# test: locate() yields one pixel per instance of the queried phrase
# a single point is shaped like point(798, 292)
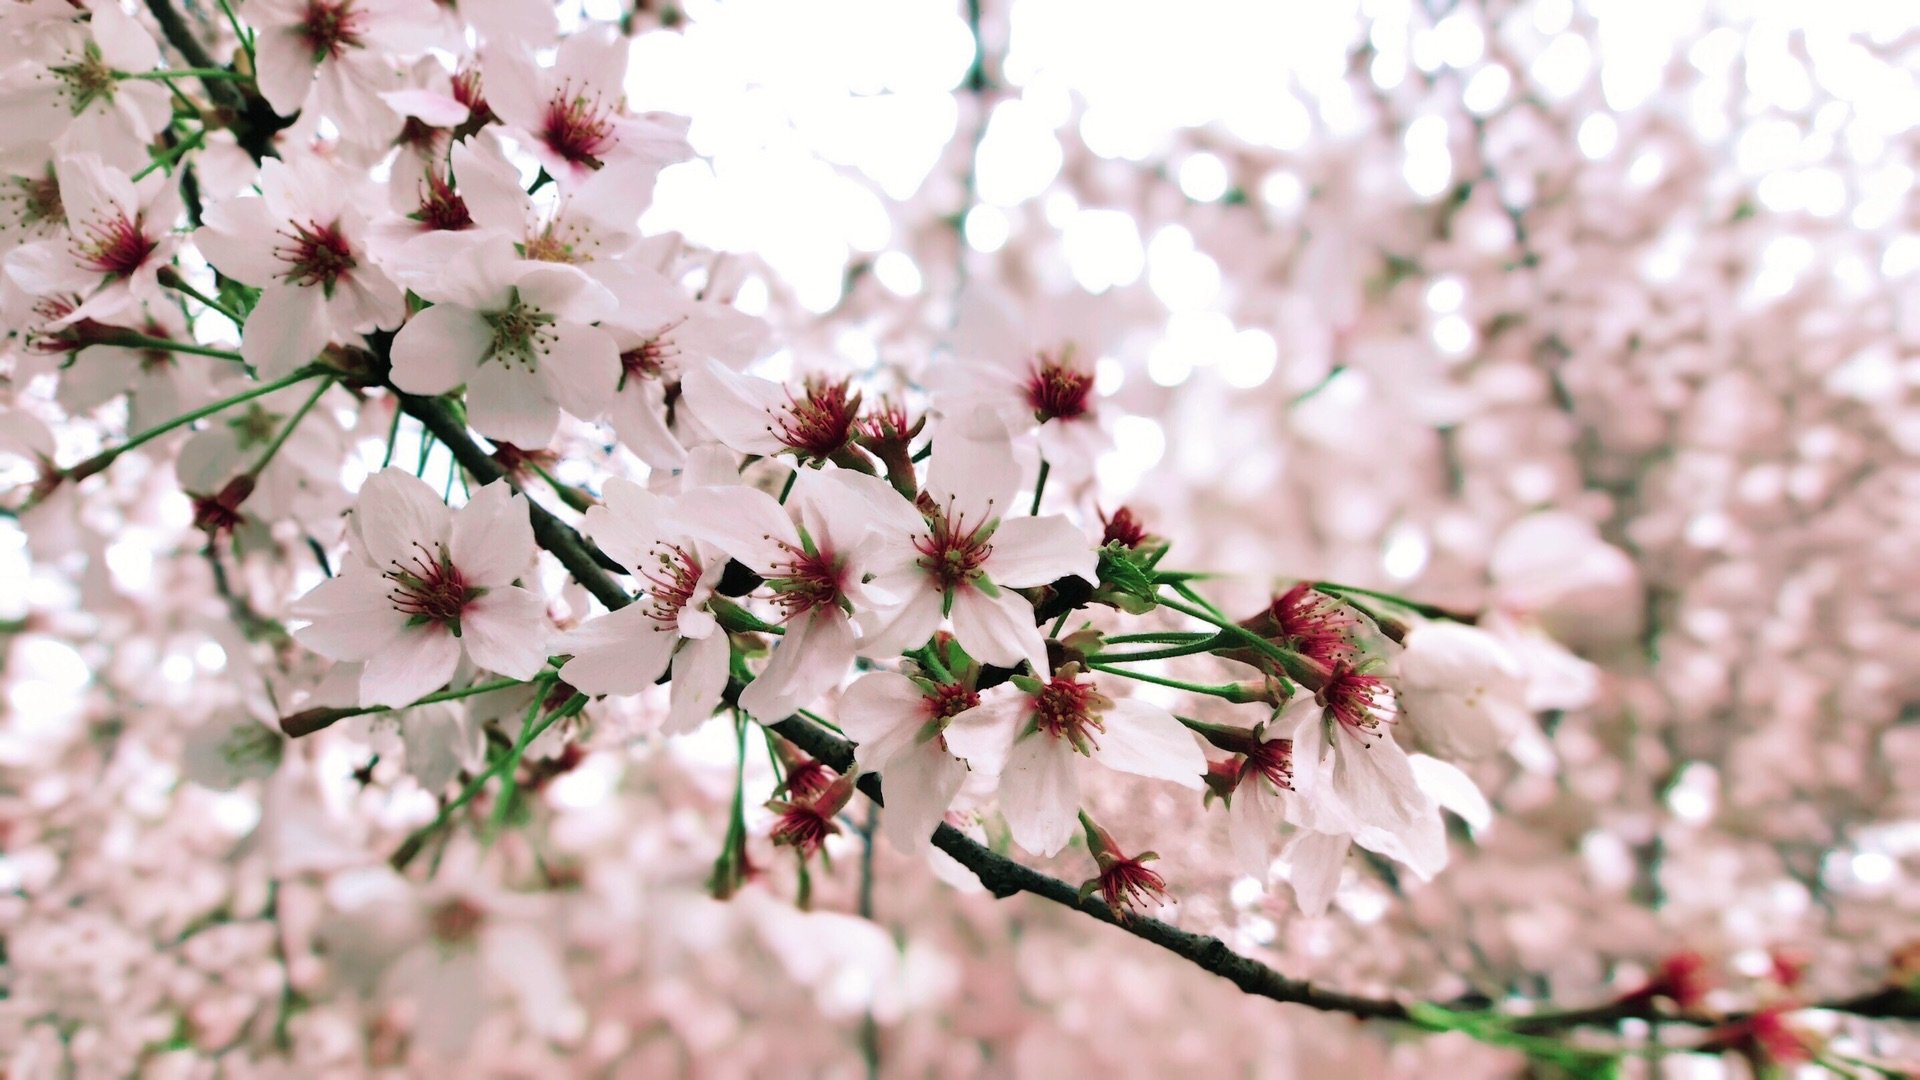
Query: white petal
point(285, 330)
point(699, 677)
point(1146, 740)
point(398, 514)
point(814, 654)
point(1374, 781)
point(492, 536)
point(998, 629)
point(746, 523)
point(890, 633)
point(353, 619)
point(973, 474)
point(414, 665)
point(1316, 860)
point(511, 404)
point(1253, 827)
point(1030, 551)
point(738, 409)
point(439, 348)
point(884, 713)
point(619, 653)
point(1452, 789)
point(984, 734)
point(505, 630)
point(920, 786)
point(582, 370)
point(1040, 793)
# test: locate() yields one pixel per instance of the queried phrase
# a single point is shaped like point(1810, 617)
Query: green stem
point(245, 36)
point(574, 499)
point(185, 73)
point(299, 415)
point(1190, 649)
point(1178, 637)
point(1296, 666)
point(172, 155)
point(1227, 692)
point(787, 488)
point(1040, 485)
point(406, 852)
point(308, 721)
point(1431, 611)
point(131, 340)
point(105, 457)
point(171, 278)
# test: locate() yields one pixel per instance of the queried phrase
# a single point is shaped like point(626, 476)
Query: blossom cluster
point(490, 474)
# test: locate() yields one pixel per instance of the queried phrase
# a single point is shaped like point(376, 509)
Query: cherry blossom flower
point(518, 335)
point(759, 416)
point(1347, 724)
point(1041, 739)
point(1035, 372)
point(302, 242)
point(965, 556)
point(67, 88)
point(427, 585)
point(662, 333)
point(626, 651)
point(897, 722)
point(813, 553)
point(159, 384)
point(1124, 883)
point(331, 57)
point(119, 235)
point(573, 114)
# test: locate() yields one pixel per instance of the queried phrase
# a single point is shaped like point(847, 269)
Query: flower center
point(441, 208)
point(253, 427)
point(670, 583)
point(33, 202)
point(519, 333)
point(949, 700)
point(315, 255)
point(1056, 389)
point(578, 127)
point(115, 247)
point(651, 358)
point(456, 922)
point(1272, 759)
point(330, 29)
point(809, 579)
point(951, 553)
point(87, 80)
point(429, 589)
point(1353, 699)
point(1122, 528)
point(819, 423)
point(1312, 624)
point(1067, 708)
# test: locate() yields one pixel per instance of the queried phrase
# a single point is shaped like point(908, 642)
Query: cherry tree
point(1393, 512)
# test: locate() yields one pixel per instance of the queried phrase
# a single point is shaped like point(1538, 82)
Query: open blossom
point(662, 333)
point(302, 242)
point(964, 556)
point(65, 87)
point(159, 384)
point(519, 336)
point(813, 553)
point(1348, 725)
point(626, 651)
point(898, 724)
point(573, 115)
point(1035, 372)
point(426, 585)
point(759, 416)
point(1041, 738)
point(333, 57)
point(119, 234)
